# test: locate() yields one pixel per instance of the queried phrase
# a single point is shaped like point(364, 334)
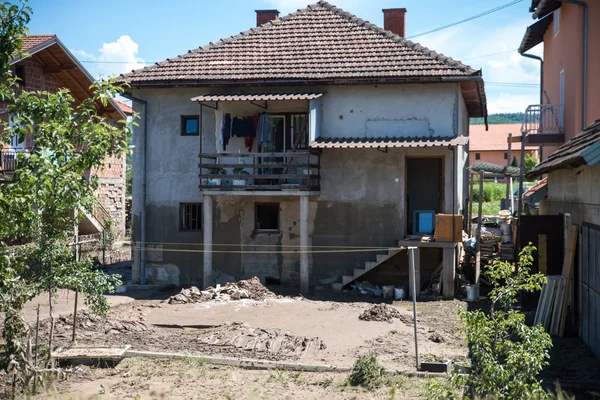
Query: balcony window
point(556, 19)
point(189, 125)
point(267, 217)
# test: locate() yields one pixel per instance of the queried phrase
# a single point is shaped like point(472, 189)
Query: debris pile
point(125, 326)
point(240, 336)
point(244, 289)
point(382, 313)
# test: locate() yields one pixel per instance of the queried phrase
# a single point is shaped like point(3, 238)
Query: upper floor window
point(506, 156)
point(478, 156)
point(556, 18)
point(20, 73)
point(190, 125)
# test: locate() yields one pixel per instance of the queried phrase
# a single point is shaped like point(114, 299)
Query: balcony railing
point(8, 161)
point(300, 171)
point(543, 119)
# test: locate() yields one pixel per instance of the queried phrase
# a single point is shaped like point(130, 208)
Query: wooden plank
point(567, 272)
point(478, 237)
point(557, 306)
point(305, 153)
point(258, 176)
point(255, 165)
point(259, 187)
point(448, 273)
point(543, 254)
point(541, 304)
point(469, 222)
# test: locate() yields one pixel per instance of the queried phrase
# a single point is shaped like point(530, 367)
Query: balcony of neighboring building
point(543, 124)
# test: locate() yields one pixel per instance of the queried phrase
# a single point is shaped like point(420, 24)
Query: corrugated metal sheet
point(537, 193)
point(257, 96)
point(591, 155)
point(349, 143)
point(534, 34)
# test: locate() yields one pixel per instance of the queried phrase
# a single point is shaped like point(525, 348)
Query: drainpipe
point(541, 60)
point(143, 216)
point(585, 57)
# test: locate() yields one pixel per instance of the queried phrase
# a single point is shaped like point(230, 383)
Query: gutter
point(541, 60)
point(143, 216)
point(585, 57)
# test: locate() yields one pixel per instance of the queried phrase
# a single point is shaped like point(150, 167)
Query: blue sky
point(116, 36)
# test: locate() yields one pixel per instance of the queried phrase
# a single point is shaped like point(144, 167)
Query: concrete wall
point(576, 192)
point(362, 190)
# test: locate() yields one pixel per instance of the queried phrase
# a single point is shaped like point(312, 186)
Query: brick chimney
point(394, 19)
point(264, 16)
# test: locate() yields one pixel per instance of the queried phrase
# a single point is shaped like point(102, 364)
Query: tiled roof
point(346, 143)
point(318, 43)
point(542, 8)
point(32, 41)
point(537, 192)
point(257, 96)
point(534, 34)
point(126, 108)
point(494, 139)
point(569, 155)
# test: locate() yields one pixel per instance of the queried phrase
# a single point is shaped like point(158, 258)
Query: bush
point(491, 192)
point(367, 373)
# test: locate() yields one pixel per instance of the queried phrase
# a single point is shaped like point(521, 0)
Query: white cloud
point(511, 102)
point(114, 58)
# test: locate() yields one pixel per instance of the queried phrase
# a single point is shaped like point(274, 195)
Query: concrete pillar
point(417, 253)
point(304, 244)
point(448, 272)
point(207, 227)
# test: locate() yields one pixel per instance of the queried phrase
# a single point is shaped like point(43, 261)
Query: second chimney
point(394, 19)
point(264, 16)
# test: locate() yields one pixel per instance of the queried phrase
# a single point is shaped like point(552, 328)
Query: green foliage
point(128, 180)
point(506, 354)
point(367, 373)
point(530, 163)
point(217, 171)
point(514, 163)
point(240, 171)
point(51, 183)
point(491, 192)
point(502, 118)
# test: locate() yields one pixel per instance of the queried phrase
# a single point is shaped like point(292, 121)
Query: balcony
point(8, 163)
point(250, 173)
point(543, 124)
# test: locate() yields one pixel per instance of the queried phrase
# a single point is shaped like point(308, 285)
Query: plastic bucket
point(399, 293)
point(471, 292)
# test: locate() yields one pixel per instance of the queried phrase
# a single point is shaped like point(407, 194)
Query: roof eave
point(534, 34)
point(545, 7)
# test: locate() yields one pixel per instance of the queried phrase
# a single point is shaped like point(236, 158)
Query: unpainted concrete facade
point(362, 196)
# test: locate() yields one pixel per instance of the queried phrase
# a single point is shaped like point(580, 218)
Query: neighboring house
point(570, 77)
point(491, 146)
point(361, 128)
point(48, 65)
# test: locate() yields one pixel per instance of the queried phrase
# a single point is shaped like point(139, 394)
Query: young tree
point(41, 204)
point(530, 163)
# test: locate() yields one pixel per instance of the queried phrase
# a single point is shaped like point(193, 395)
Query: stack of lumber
point(550, 307)
point(554, 299)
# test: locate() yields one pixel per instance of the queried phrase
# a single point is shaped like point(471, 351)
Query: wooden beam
point(470, 221)
point(545, 138)
point(478, 233)
point(514, 139)
point(55, 69)
point(508, 176)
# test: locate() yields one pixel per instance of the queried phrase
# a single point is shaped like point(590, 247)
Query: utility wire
point(487, 55)
point(493, 10)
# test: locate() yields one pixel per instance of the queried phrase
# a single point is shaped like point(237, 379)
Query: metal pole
point(508, 176)
point(103, 247)
point(76, 248)
point(411, 258)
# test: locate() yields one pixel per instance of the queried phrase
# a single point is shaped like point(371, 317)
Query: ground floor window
point(266, 217)
point(190, 216)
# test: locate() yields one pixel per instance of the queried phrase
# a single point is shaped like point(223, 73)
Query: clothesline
point(246, 127)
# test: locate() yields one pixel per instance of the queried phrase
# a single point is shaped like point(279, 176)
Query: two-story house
point(47, 65)
point(570, 118)
point(295, 148)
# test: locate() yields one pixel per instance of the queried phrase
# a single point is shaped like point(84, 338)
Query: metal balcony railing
point(8, 161)
point(299, 170)
point(543, 119)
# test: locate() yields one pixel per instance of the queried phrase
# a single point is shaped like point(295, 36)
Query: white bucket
point(399, 294)
point(471, 292)
point(388, 291)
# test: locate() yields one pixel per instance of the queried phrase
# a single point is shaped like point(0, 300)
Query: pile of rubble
point(274, 341)
point(383, 313)
point(244, 289)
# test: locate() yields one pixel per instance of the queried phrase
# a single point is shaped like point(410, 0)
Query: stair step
point(337, 286)
point(359, 271)
point(393, 252)
point(346, 279)
point(370, 265)
point(381, 258)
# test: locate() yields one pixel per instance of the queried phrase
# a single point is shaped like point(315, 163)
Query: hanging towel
point(264, 129)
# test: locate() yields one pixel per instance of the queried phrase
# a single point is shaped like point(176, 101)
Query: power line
point(493, 10)
point(488, 55)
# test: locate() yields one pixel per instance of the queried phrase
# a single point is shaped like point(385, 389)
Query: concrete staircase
point(369, 265)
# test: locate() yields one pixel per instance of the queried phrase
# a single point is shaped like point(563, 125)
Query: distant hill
point(504, 118)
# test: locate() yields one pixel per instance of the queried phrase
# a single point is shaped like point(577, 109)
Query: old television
point(423, 222)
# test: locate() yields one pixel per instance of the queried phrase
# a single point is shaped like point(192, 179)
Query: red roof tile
point(495, 138)
point(374, 142)
point(126, 108)
point(320, 42)
point(32, 41)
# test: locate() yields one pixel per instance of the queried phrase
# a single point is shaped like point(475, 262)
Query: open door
point(424, 187)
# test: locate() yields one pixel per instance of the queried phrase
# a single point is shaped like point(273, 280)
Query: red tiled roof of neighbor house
point(319, 42)
point(375, 142)
point(569, 155)
point(126, 108)
point(495, 138)
point(32, 41)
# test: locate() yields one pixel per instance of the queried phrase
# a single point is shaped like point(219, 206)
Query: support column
point(304, 244)
point(207, 227)
point(448, 272)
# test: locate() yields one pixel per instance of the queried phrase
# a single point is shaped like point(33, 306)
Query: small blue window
point(189, 125)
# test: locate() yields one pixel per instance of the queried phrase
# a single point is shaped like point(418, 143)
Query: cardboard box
point(443, 227)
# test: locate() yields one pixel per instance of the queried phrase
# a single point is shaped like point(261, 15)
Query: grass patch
point(487, 208)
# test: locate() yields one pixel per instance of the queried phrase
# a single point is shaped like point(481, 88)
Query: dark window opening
point(190, 125)
point(20, 73)
point(267, 217)
point(190, 216)
point(506, 156)
point(478, 156)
